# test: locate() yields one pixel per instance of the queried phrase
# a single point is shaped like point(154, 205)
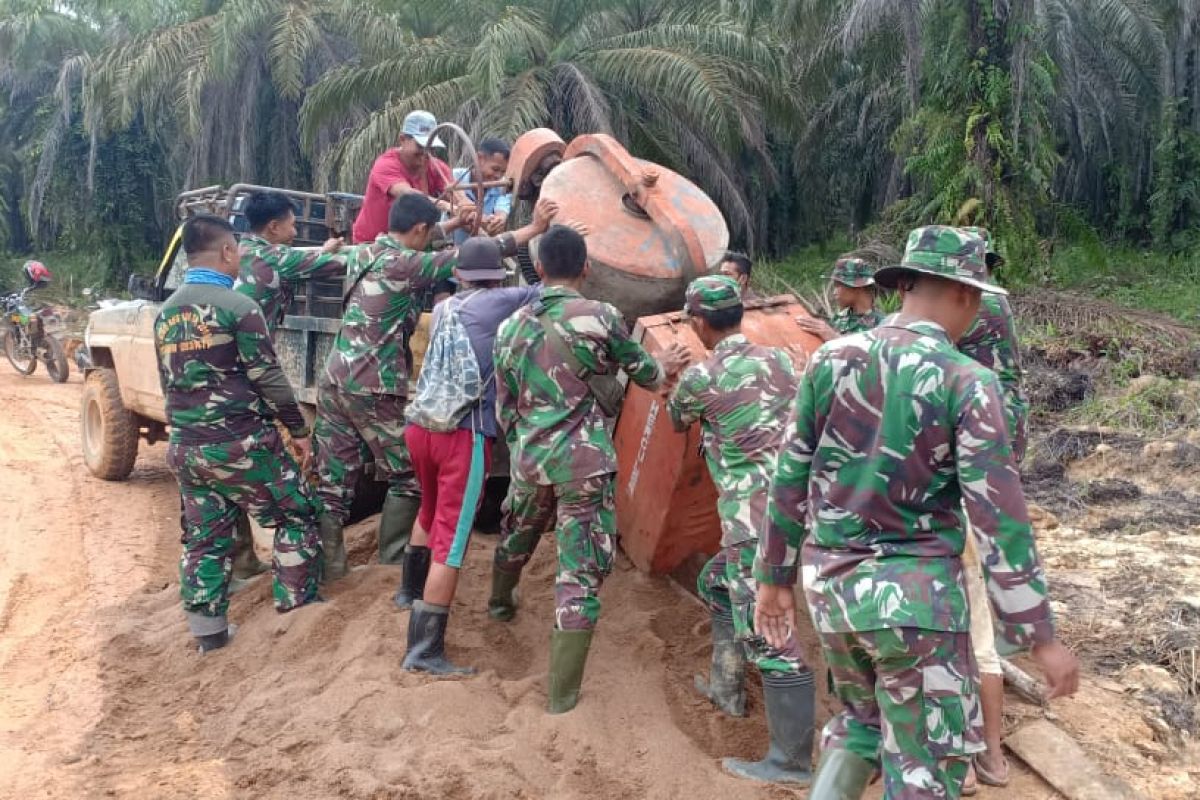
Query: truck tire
point(110, 431)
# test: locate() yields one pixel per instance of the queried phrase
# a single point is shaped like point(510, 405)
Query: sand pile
point(314, 703)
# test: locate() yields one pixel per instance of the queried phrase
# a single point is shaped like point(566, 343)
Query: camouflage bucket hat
point(712, 293)
point(853, 272)
point(944, 252)
point(994, 259)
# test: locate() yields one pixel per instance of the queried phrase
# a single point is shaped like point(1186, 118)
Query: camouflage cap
point(994, 259)
point(712, 293)
point(853, 272)
point(944, 252)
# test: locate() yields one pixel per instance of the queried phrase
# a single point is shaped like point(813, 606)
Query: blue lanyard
point(208, 276)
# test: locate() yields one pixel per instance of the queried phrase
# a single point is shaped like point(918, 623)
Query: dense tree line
point(802, 118)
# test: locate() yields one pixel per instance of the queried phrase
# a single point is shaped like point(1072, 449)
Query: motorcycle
point(26, 341)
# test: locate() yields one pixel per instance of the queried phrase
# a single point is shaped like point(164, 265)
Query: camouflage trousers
point(727, 586)
point(586, 526)
point(349, 428)
point(911, 699)
point(220, 481)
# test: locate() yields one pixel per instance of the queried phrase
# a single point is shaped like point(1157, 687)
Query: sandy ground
point(102, 695)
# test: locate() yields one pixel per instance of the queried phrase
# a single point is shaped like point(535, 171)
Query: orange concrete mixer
point(650, 232)
point(650, 229)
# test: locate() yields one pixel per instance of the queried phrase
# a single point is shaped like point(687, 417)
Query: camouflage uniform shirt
point(218, 369)
point(555, 431)
point(894, 432)
point(992, 341)
point(847, 320)
point(268, 270)
point(369, 354)
point(741, 396)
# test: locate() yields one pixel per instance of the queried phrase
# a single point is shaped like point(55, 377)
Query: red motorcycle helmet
point(37, 273)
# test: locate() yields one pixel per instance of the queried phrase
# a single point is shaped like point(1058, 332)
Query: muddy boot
point(245, 561)
point(841, 775)
point(210, 633)
point(427, 641)
point(503, 603)
point(789, 700)
point(396, 525)
point(333, 549)
point(568, 655)
point(412, 580)
point(727, 673)
point(215, 641)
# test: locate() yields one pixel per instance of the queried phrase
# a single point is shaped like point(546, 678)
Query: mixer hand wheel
point(477, 185)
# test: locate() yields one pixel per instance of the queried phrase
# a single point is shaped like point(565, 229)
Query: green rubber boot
point(333, 547)
point(725, 685)
point(568, 655)
point(396, 526)
point(503, 603)
point(841, 775)
point(789, 699)
point(245, 561)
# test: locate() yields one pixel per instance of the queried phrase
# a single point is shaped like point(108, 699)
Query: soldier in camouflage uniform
point(269, 266)
point(893, 434)
point(563, 461)
point(853, 283)
point(740, 396)
point(992, 341)
point(361, 396)
point(224, 390)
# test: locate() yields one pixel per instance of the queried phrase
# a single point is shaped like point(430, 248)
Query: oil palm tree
point(686, 87)
point(224, 84)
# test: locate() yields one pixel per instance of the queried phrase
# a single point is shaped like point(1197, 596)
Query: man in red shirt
point(404, 169)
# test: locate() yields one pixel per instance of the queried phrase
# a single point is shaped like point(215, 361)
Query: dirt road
point(102, 695)
point(72, 552)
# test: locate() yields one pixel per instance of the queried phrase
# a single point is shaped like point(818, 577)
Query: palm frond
point(348, 162)
point(582, 104)
point(515, 41)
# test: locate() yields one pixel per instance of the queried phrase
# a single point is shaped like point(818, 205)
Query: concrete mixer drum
point(650, 229)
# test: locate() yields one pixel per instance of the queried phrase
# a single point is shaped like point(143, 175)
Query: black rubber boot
point(333, 548)
point(841, 775)
point(427, 641)
point(568, 656)
point(727, 673)
point(245, 561)
point(210, 632)
point(396, 526)
point(503, 603)
point(412, 579)
point(789, 700)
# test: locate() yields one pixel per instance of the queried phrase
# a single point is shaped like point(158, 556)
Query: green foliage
point(1150, 405)
point(1175, 202)
point(1168, 283)
point(73, 272)
point(805, 270)
point(805, 121)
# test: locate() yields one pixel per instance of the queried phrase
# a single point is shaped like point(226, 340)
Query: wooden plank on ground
point(1054, 755)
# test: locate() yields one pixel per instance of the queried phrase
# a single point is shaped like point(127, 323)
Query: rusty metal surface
point(650, 229)
point(533, 155)
point(666, 501)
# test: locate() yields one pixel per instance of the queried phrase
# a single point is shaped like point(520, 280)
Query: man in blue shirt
point(491, 162)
